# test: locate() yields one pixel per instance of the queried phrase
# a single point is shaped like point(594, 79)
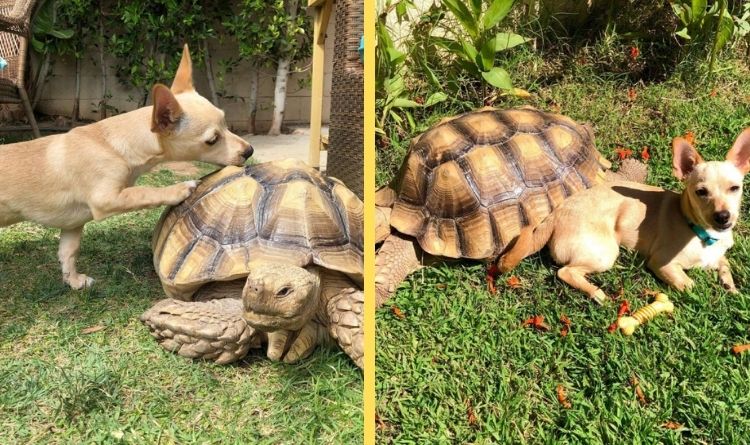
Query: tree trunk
point(210, 74)
point(279, 96)
point(40, 80)
point(252, 100)
point(76, 115)
point(282, 77)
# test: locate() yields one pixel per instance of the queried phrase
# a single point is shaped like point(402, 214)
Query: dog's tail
point(529, 241)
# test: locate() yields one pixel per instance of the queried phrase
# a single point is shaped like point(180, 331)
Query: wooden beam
point(325, 15)
point(320, 23)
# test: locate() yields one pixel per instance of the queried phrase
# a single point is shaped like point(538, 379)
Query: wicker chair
point(15, 18)
point(346, 133)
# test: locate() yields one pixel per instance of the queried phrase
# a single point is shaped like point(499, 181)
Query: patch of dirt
point(179, 168)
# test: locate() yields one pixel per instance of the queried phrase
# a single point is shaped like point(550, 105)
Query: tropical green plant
point(711, 27)
point(147, 35)
point(477, 40)
point(394, 103)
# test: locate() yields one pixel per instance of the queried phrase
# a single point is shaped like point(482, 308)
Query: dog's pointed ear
point(684, 158)
point(183, 79)
point(167, 110)
point(739, 154)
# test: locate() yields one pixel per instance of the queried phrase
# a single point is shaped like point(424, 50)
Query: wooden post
point(320, 24)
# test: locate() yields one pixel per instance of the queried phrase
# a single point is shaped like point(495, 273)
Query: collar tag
point(703, 234)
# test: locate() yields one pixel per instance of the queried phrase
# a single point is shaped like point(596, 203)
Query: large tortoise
point(272, 252)
point(469, 184)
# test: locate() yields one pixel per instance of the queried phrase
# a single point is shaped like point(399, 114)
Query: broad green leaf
point(395, 56)
point(682, 13)
point(454, 48)
point(394, 86)
point(498, 78)
point(37, 45)
point(497, 11)
point(396, 118)
point(410, 119)
point(435, 98)
point(724, 32)
point(470, 51)
point(476, 7)
point(401, 9)
point(401, 102)
point(505, 40)
point(487, 56)
point(683, 33)
point(698, 9)
point(61, 33)
point(459, 10)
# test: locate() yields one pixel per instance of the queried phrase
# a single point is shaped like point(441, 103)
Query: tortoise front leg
point(302, 346)
point(346, 315)
point(396, 259)
point(210, 330)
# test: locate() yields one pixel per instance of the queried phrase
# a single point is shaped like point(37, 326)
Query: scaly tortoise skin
point(469, 184)
point(244, 234)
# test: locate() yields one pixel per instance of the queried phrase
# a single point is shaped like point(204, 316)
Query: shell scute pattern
point(470, 183)
point(276, 211)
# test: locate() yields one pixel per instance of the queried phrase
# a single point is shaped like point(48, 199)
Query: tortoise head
point(280, 296)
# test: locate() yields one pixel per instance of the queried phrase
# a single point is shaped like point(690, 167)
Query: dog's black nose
point(721, 217)
point(248, 152)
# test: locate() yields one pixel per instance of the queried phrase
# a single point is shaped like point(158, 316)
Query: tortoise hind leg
point(396, 259)
point(211, 330)
point(346, 312)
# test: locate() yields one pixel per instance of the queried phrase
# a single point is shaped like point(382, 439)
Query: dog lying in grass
point(88, 173)
point(672, 231)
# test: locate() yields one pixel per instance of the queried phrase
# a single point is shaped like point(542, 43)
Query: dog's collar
point(703, 234)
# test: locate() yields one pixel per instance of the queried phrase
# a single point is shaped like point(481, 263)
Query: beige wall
point(59, 90)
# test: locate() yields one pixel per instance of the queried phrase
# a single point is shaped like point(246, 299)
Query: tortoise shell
point(279, 211)
point(468, 185)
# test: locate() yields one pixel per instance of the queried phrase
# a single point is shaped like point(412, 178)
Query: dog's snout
point(248, 152)
point(721, 217)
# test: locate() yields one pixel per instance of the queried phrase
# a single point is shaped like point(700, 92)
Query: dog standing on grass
point(672, 231)
point(88, 173)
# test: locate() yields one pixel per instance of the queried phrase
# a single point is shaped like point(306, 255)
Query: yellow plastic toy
point(660, 304)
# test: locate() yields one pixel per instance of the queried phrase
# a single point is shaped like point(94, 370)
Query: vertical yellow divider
point(369, 169)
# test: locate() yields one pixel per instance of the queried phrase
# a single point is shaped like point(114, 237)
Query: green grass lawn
point(460, 368)
point(61, 385)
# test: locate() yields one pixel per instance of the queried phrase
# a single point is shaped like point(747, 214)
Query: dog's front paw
point(688, 284)
point(184, 189)
point(731, 288)
point(79, 281)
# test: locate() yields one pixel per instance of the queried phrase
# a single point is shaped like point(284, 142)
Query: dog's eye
point(734, 188)
point(213, 140)
point(701, 192)
point(284, 291)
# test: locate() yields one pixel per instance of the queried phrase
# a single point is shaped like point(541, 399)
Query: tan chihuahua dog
point(88, 173)
point(672, 231)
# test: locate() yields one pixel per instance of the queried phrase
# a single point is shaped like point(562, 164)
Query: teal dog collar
point(703, 234)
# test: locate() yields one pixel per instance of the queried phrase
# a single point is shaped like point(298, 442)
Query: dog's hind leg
point(70, 245)
point(576, 277)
